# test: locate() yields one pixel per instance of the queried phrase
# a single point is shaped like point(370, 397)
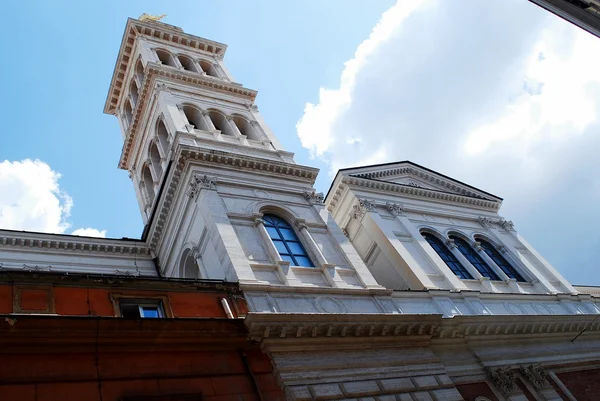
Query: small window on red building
point(132, 309)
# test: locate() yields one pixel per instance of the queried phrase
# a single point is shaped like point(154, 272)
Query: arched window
point(133, 89)
point(189, 267)
point(219, 121)
point(148, 184)
point(194, 117)
point(166, 58)
point(139, 71)
point(447, 256)
point(286, 241)
point(156, 162)
point(474, 258)
point(163, 136)
point(187, 63)
point(502, 263)
point(244, 127)
point(128, 112)
point(208, 68)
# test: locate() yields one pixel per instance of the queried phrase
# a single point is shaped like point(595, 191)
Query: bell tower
point(219, 197)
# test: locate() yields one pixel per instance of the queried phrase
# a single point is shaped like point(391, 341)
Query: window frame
point(464, 273)
point(279, 222)
point(474, 259)
point(162, 301)
point(497, 257)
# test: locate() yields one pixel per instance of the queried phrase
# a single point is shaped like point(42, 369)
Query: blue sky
point(512, 111)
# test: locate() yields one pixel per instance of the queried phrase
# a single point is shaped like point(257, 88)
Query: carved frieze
point(199, 182)
point(313, 197)
point(536, 375)
point(395, 209)
point(503, 379)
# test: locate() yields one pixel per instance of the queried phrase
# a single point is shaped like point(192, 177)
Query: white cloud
point(31, 199)
point(89, 232)
point(504, 96)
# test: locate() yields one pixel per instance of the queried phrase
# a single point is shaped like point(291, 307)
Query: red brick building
point(64, 337)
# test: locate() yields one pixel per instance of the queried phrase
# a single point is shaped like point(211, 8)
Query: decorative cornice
point(313, 197)
point(153, 71)
point(414, 191)
point(446, 183)
point(434, 327)
point(65, 243)
point(160, 32)
point(222, 159)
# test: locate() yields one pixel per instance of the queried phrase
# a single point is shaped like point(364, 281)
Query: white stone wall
point(29, 251)
point(390, 240)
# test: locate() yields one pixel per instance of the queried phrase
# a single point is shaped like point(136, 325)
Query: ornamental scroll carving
point(313, 197)
point(395, 209)
point(503, 379)
point(364, 205)
point(536, 375)
point(199, 182)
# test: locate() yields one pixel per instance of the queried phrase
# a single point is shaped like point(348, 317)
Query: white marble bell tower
point(211, 177)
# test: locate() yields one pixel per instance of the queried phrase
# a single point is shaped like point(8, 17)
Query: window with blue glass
point(286, 241)
point(447, 256)
point(132, 309)
point(502, 263)
point(474, 258)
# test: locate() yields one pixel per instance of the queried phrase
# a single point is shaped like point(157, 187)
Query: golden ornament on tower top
point(148, 17)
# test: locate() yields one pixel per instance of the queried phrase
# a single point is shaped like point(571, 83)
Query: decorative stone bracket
point(395, 209)
point(363, 206)
point(536, 375)
point(503, 379)
point(313, 197)
point(199, 182)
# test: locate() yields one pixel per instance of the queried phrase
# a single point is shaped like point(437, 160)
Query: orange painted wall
point(81, 301)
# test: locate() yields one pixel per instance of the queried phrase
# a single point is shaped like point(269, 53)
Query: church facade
point(400, 284)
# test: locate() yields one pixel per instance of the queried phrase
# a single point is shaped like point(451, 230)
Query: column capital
point(450, 244)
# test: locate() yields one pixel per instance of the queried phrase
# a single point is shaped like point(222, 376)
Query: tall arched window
point(474, 258)
point(156, 162)
point(447, 256)
point(187, 63)
point(139, 71)
point(133, 89)
point(500, 261)
point(244, 127)
point(286, 241)
point(189, 267)
point(208, 68)
point(166, 58)
point(219, 121)
point(148, 184)
point(194, 117)
point(163, 136)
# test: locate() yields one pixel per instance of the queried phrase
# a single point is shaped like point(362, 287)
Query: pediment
point(413, 175)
